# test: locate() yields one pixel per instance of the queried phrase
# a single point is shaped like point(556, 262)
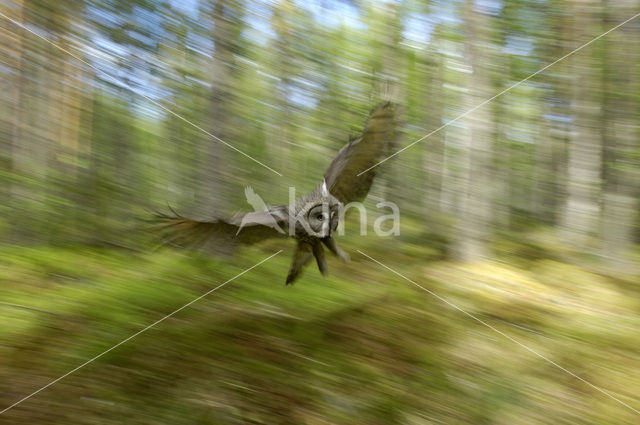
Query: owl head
point(317, 213)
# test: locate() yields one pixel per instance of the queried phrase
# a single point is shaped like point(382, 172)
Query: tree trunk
point(12, 86)
point(621, 136)
point(473, 228)
point(212, 196)
point(582, 209)
point(433, 149)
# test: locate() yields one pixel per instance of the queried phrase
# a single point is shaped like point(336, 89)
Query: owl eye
point(318, 215)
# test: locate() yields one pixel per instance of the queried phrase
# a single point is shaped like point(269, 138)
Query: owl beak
point(326, 229)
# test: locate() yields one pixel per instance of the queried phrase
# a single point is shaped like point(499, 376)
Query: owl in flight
point(311, 219)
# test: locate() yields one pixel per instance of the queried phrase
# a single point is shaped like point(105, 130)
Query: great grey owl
point(311, 220)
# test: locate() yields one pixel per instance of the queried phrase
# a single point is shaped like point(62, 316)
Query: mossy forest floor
point(362, 346)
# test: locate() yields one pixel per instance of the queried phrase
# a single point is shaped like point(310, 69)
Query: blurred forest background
point(524, 212)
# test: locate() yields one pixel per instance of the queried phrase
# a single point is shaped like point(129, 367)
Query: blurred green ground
point(360, 347)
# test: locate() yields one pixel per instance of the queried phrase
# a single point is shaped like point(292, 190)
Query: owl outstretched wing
point(222, 236)
point(360, 154)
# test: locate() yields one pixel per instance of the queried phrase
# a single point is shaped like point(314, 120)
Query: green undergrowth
point(362, 346)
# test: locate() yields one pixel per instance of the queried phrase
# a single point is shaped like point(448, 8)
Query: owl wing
point(359, 154)
point(221, 236)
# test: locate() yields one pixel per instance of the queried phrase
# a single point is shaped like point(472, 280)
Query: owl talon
point(335, 249)
point(318, 252)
